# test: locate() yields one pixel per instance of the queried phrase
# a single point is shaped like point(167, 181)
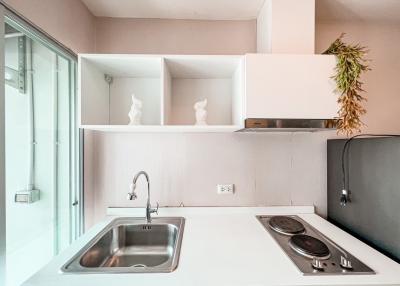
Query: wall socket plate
point(226, 189)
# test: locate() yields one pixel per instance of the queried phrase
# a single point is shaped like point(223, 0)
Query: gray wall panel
point(374, 182)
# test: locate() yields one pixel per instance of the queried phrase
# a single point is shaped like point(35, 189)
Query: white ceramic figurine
point(201, 112)
point(135, 114)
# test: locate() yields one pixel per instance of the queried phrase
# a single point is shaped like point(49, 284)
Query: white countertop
point(227, 246)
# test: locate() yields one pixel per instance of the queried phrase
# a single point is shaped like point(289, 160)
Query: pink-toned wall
point(68, 21)
point(159, 36)
point(293, 26)
point(286, 27)
point(71, 23)
point(267, 169)
point(382, 82)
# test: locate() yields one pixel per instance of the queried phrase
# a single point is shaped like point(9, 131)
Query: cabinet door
point(290, 86)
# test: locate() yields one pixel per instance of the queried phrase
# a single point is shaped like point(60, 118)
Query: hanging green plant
point(351, 64)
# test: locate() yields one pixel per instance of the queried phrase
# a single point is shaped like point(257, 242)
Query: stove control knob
point(345, 263)
point(317, 264)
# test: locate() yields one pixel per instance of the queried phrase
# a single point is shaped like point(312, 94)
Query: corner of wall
point(263, 29)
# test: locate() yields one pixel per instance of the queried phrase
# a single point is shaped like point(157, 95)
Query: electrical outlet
point(226, 189)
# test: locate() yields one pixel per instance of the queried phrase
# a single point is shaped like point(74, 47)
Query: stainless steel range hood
point(287, 125)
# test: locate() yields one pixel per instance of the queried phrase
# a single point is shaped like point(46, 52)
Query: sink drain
point(139, 265)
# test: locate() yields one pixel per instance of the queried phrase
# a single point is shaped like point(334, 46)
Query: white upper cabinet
point(167, 86)
point(236, 88)
point(279, 86)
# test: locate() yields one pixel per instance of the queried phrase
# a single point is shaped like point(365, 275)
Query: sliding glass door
point(41, 171)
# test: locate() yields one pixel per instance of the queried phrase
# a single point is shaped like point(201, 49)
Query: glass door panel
point(40, 145)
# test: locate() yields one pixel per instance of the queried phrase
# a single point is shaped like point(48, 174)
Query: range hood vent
point(287, 125)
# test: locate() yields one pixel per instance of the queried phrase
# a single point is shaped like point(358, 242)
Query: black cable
point(346, 146)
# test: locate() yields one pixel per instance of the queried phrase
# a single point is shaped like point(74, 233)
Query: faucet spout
point(132, 195)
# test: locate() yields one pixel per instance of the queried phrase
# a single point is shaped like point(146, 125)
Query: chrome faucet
point(132, 195)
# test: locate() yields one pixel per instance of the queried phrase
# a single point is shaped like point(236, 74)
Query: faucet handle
point(155, 210)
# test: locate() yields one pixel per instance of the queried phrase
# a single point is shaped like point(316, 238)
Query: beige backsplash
point(267, 169)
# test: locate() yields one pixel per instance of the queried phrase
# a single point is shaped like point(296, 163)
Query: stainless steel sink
point(131, 245)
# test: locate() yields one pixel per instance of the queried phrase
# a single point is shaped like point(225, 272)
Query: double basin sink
point(129, 245)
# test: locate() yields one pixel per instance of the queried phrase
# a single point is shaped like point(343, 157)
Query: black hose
point(346, 146)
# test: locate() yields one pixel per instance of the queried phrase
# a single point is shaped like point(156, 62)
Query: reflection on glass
point(38, 98)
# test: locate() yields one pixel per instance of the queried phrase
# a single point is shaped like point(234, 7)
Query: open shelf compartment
point(104, 103)
point(188, 79)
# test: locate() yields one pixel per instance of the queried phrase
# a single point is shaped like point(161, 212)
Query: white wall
point(267, 169)
point(382, 82)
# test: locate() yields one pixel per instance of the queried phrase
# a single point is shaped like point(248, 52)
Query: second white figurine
point(135, 113)
point(201, 112)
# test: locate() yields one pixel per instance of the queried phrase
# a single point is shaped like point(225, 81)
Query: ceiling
point(326, 10)
point(177, 9)
point(358, 10)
